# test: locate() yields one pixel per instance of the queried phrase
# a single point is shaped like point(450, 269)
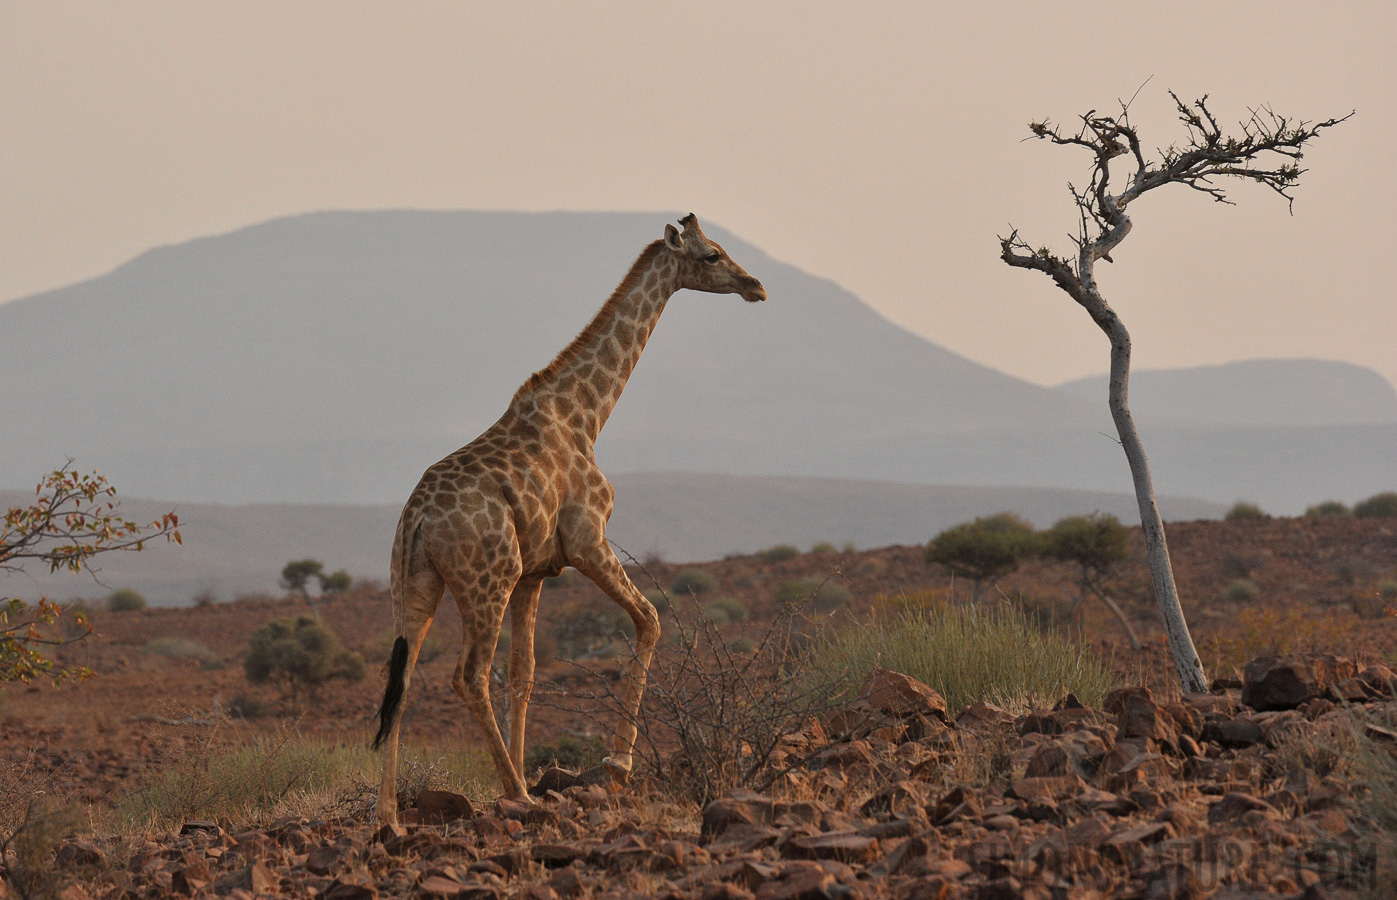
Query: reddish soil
point(1317, 581)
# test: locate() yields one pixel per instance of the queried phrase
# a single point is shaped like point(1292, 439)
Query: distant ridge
point(1294, 392)
point(683, 516)
point(330, 357)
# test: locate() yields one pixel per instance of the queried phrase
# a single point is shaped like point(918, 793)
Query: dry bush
point(713, 712)
point(26, 853)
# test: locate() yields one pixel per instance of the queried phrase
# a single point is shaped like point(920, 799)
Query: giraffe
point(525, 499)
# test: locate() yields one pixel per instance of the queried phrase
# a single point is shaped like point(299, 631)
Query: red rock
point(1234, 734)
point(566, 883)
point(901, 695)
point(1057, 787)
point(79, 853)
point(437, 886)
point(981, 716)
point(553, 778)
point(958, 803)
point(1379, 679)
point(931, 887)
point(389, 832)
point(801, 884)
point(895, 798)
point(1236, 804)
point(189, 880)
point(1175, 881)
point(849, 755)
point(738, 807)
point(1284, 682)
point(845, 846)
point(722, 890)
point(256, 878)
point(555, 856)
point(325, 859)
point(440, 807)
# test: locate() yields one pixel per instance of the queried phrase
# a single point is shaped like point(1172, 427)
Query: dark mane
point(628, 284)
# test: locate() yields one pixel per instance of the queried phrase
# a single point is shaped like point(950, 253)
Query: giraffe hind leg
point(523, 608)
point(422, 591)
point(482, 614)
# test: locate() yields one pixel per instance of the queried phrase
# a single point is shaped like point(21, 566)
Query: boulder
point(440, 807)
point(903, 696)
point(1285, 682)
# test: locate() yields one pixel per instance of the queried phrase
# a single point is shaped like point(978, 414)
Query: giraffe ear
point(673, 239)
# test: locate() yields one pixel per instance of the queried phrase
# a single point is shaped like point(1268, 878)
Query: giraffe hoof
point(619, 766)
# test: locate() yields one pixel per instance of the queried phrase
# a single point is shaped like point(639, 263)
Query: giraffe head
point(705, 266)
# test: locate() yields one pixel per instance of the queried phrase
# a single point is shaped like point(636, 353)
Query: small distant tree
point(1328, 508)
point(1266, 150)
point(1097, 544)
point(693, 581)
point(298, 573)
point(336, 582)
point(984, 550)
point(74, 517)
point(126, 600)
point(1242, 511)
point(301, 653)
point(1378, 506)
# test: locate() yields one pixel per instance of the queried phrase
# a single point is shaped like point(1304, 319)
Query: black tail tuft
point(393, 693)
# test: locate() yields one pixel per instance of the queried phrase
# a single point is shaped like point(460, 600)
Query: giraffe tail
point(398, 658)
point(393, 693)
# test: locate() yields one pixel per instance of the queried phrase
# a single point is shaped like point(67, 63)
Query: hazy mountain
point(240, 549)
point(329, 358)
point(1294, 392)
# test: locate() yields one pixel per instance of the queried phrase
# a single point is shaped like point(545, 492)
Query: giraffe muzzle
point(755, 293)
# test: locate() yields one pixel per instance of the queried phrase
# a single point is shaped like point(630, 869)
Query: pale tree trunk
point(1186, 660)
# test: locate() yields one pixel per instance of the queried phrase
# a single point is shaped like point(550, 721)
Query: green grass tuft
point(969, 653)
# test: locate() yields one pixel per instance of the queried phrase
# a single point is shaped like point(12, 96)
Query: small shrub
point(1378, 506)
point(592, 632)
point(1387, 589)
point(567, 750)
point(205, 598)
point(968, 653)
point(693, 582)
point(732, 607)
point(125, 600)
point(183, 648)
point(716, 614)
point(823, 547)
point(658, 599)
point(1242, 511)
point(246, 706)
point(1370, 606)
point(742, 646)
point(984, 550)
point(1327, 508)
point(1241, 590)
point(1240, 565)
point(822, 594)
point(302, 652)
point(779, 553)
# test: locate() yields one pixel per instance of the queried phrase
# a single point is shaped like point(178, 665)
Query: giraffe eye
point(712, 258)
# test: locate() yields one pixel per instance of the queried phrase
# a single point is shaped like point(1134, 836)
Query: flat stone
point(553, 778)
point(1234, 734)
point(801, 884)
point(440, 807)
point(847, 847)
point(1236, 804)
point(437, 886)
point(1051, 787)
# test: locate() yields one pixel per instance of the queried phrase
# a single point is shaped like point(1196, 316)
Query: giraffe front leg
point(523, 609)
point(605, 570)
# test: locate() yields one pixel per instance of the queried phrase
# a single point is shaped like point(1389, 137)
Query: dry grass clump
point(253, 783)
point(968, 653)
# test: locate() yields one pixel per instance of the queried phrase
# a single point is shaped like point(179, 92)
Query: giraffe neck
point(587, 378)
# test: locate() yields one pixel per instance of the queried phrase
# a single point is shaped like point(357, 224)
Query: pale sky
point(876, 144)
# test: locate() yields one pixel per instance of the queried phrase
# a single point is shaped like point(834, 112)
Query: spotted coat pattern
point(517, 504)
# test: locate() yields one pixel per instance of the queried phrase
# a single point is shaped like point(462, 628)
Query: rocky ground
point(1254, 790)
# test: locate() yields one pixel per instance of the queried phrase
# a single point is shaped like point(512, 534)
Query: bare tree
point(1267, 150)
